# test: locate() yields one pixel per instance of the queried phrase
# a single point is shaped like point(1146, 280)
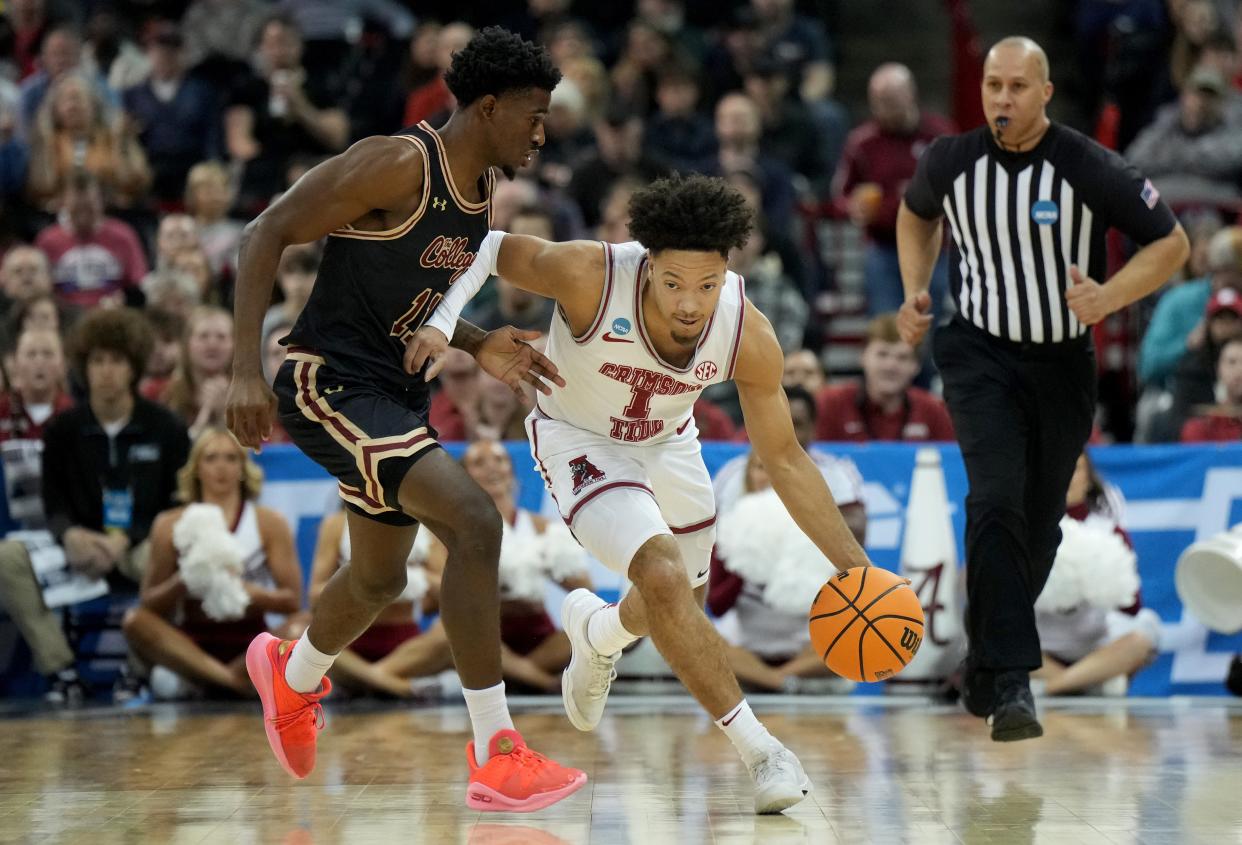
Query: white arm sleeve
point(464, 289)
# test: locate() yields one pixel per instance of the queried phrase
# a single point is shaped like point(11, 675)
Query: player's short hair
point(124, 331)
point(496, 61)
point(696, 212)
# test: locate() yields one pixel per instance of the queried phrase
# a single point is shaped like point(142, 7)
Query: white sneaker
point(780, 781)
point(585, 683)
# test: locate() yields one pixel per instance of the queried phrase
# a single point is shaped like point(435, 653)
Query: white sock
point(747, 733)
point(307, 666)
point(489, 713)
point(605, 632)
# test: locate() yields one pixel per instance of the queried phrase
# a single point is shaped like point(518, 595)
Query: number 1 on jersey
point(421, 308)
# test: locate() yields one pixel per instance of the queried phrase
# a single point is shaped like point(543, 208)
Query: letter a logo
point(585, 473)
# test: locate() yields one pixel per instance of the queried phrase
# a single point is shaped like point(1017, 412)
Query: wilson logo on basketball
point(910, 641)
point(706, 371)
point(447, 254)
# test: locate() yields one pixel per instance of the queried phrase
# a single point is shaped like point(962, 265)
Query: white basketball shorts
point(615, 497)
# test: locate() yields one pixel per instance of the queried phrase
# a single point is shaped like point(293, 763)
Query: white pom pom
point(227, 599)
point(197, 521)
point(206, 548)
point(522, 573)
point(1093, 566)
point(422, 545)
point(797, 575)
point(562, 556)
point(749, 536)
point(415, 584)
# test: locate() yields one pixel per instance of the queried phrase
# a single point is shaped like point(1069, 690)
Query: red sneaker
point(516, 779)
point(292, 719)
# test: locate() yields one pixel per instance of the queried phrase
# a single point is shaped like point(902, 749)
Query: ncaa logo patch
point(620, 326)
point(705, 371)
point(1045, 212)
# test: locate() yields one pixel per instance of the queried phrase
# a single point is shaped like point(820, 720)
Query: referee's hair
point(496, 61)
point(696, 213)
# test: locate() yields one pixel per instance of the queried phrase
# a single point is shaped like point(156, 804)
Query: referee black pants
point(1023, 413)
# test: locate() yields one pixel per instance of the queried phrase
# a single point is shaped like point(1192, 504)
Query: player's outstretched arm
point(796, 479)
point(375, 173)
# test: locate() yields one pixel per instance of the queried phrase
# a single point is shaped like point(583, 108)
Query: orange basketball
point(866, 623)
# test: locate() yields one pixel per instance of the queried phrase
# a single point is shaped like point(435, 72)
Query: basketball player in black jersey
point(404, 216)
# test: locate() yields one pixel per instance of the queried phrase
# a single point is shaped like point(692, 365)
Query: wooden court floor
point(885, 770)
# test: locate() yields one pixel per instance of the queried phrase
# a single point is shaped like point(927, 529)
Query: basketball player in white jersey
point(640, 329)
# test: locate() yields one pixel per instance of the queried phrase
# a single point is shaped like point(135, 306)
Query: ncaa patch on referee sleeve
point(1149, 194)
point(1045, 213)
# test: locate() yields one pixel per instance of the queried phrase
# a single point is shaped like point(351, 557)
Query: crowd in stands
point(138, 138)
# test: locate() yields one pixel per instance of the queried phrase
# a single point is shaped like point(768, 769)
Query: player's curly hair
point(496, 61)
point(696, 212)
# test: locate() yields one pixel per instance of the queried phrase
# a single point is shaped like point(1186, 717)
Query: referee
point(1029, 202)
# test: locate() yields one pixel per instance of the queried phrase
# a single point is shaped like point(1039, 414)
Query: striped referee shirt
point(1020, 220)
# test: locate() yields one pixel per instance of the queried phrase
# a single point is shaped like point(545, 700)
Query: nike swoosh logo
point(608, 338)
point(704, 572)
point(731, 717)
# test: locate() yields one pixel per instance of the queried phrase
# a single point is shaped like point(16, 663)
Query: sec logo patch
point(706, 371)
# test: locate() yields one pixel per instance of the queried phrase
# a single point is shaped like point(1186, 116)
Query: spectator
point(208, 198)
point(40, 312)
point(775, 241)
point(426, 94)
point(588, 74)
point(1222, 422)
point(198, 634)
point(30, 23)
point(454, 408)
point(295, 276)
point(884, 405)
point(646, 50)
point(24, 275)
point(176, 114)
point(274, 352)
point(39, 388)
point(738, 132)
point(770, 648)
point(14, 155)
point(534, 551)
point(1189, 151)
point(739, 45)
point(74, 129)
point(1194, 383)
point(713, 421)
point(109, 467)
point(1220, 53)
point(668, 17)
point(566, 136)
point(804, 369)
point(60, 53)
point(501, 413)
point(366, 665)
point(96, 260)
point(878, 162)
point(840, 473)
point(119, 61)
point(614, 222)
point(168, 329)
point(171, 291)
point(1194, 23)
point(198, 387)
point(193, 263)
point(789, 134)
point(771, 290)
point(1178, 324)
point(1084, 645)
point(514, 306)
point(677, 132)
point(279, 114)
point(799, 42)
point(176, 232)
point(619, 152)
point(222, 30)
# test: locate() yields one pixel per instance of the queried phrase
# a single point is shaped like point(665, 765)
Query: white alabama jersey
point(618, 386)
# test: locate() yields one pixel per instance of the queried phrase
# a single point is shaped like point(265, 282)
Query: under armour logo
point(439, 204)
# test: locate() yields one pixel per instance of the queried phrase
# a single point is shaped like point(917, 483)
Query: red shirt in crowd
point(85, 270)
point(1213, 428)
point(888, 160)
point(846, 414)
point(16, 422)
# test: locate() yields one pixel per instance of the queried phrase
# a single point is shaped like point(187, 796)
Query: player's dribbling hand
point(250, 410)
point(505, 354)
point(1087, 298)
point(914, 318)
point(427, 346)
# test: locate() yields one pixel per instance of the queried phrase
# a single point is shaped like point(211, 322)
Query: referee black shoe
point(1014, 715)
point(978, 690)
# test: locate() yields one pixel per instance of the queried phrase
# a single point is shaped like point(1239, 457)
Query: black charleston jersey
point(375, 289)
point(1020, 220)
